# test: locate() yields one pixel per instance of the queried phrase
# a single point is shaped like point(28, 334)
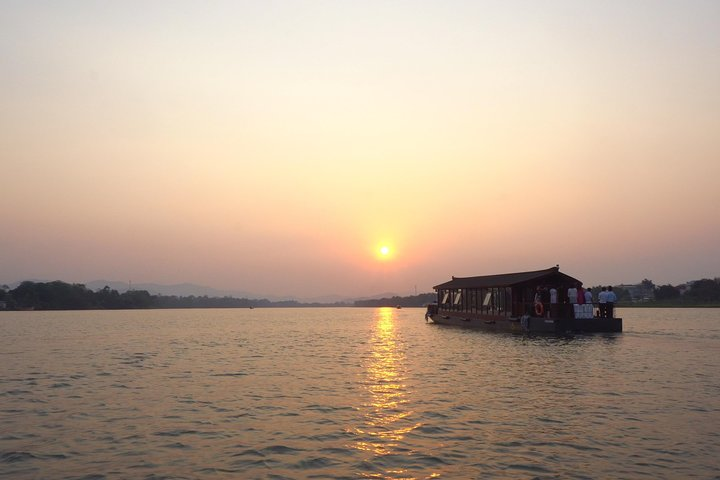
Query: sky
point(276, 146)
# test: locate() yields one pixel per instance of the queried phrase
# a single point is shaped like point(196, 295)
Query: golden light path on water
point(387, 420)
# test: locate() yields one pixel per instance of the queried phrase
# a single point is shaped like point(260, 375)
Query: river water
point(353, 393)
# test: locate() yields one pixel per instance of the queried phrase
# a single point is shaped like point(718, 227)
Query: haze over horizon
point(277, 146)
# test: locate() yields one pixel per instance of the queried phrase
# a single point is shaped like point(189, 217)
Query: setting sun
point(384, 251)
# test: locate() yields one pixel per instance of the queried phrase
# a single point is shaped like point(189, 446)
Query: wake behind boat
point(541, 301)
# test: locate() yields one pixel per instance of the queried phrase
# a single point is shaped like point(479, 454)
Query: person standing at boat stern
point(602, 303)
point(610, 304)
point(572, 295)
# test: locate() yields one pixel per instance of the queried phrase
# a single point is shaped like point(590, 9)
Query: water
point(353, 393)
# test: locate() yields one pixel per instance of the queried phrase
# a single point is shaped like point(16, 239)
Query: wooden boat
point(517, 302)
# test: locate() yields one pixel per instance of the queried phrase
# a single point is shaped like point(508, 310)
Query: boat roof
point(549, 275)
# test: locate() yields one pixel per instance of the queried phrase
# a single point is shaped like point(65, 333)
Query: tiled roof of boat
point(503, 279)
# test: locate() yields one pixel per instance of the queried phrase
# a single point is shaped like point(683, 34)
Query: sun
point(384, 252)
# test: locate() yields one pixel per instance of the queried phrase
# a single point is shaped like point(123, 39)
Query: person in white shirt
point(588, 296)
point(602, 302)
point(572, 295)
point(610, 305)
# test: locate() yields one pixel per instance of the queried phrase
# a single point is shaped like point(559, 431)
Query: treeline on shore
point(699, 293)
point(59, 295)
point(412, 301)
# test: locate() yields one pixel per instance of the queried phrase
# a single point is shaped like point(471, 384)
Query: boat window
point(458, 297)
point(488, 299)
point(445, 297)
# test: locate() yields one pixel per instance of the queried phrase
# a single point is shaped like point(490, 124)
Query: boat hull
point(527, 324)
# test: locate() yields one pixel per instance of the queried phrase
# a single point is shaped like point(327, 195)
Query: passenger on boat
point(581, 294)
point(610, 305)
point(588, 296)
point(602, 302)
point(572, 295)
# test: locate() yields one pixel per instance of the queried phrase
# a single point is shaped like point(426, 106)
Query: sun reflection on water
point(387, 419)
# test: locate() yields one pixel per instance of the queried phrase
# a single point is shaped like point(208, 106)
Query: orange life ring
point(539, 309)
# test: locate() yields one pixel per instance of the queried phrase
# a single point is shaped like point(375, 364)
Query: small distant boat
point(509, 303)
point(398, 307)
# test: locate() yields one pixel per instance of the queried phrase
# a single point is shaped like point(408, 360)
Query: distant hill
point(191, 289)
point(178, 289)
point(187, 289)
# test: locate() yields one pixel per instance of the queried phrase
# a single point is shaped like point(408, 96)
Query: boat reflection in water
point(387, 419)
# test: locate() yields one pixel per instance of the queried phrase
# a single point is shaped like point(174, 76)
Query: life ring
point(539, 309)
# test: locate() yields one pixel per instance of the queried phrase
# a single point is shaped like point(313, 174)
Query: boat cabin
point(504, 295)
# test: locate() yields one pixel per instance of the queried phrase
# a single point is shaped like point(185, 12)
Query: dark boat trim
point(528, 324)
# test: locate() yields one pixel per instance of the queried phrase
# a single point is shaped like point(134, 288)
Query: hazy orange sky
point(274, 146)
